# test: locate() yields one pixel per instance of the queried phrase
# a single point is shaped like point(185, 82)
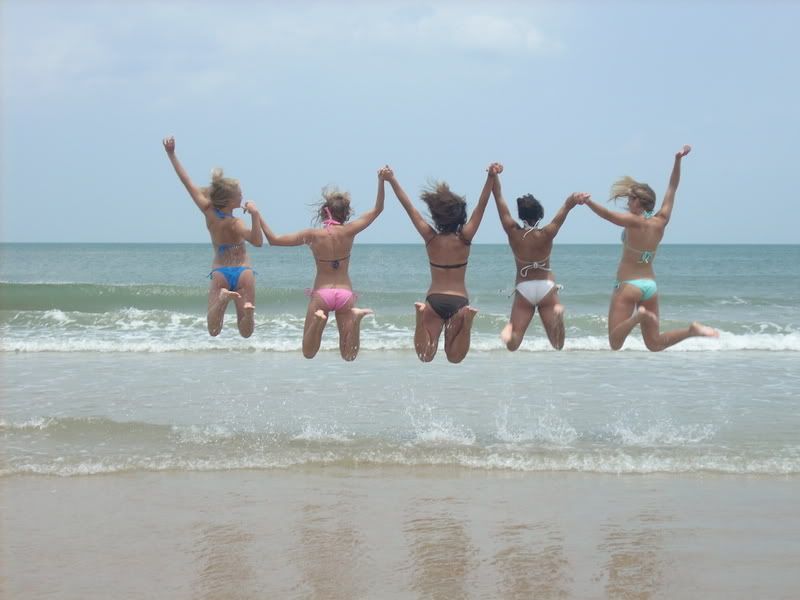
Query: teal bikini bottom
point(646, 286)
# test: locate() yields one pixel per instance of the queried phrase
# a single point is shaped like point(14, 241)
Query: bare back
point(450, 252)
point(331, 247)
point(229, 246)
point(639, 245)
point(531, 248)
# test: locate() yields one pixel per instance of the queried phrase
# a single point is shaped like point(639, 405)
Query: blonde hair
point(448, 209)
point(337, 202)
point(221, 189)
point(628, 187)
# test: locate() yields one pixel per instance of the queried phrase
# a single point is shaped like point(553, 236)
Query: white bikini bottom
point(535, 290)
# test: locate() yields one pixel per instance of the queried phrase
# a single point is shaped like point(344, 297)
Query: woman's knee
point(456, 359)
point(653, 345)
point(514, 343)
point(615, 344)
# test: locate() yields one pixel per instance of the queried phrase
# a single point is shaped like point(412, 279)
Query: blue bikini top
point(222, 248)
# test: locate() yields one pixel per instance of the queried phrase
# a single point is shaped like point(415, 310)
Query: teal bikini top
point(645, 256)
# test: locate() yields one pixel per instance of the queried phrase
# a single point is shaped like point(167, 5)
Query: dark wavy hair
point(529, 209)
point(448, 210)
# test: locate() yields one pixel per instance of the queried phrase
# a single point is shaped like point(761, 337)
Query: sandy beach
point(400, 533)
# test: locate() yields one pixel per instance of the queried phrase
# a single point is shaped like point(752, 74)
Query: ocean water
point(108, 368)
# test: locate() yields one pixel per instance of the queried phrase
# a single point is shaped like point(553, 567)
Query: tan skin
point(533, 245)
point(643, 234)
point(445, 248)
point(333, 242)
point(228, 230)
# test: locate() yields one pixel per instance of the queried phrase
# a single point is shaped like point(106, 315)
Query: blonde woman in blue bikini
point(635, 298)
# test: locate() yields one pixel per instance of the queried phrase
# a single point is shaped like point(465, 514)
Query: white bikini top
point(542, 265)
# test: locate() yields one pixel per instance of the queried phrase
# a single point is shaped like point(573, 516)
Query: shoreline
point(400, 532)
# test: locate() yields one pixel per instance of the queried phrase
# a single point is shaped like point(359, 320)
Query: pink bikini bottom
point(334, 298)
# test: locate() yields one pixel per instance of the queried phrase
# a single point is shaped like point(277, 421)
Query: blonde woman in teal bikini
point(635, 298)
point(331, 246)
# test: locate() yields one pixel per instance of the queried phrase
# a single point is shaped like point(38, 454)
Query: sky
point(289, 97)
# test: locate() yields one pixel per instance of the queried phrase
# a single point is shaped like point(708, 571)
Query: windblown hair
point(529, 209)
point(337, 202)
point(628, 187)
point(221, 189)
point(448, 210)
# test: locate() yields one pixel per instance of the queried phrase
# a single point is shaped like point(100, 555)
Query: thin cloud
point(52, 51)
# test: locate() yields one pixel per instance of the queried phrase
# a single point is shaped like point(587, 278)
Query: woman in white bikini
point(331, 246)
point(535, 284)
point(635, 298)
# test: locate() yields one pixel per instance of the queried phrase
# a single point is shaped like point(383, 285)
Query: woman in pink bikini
point(331, 246)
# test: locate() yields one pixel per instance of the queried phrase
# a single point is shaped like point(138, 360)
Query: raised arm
point(289, 239)
point(197, 195)
point(506, 220)
point(665, 211)
point(617, 218)
point(253, 233)
point(471, 227)
point(368, 217)
point(571, 202)
point(425, 230)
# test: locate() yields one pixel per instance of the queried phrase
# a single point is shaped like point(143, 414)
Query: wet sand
point(400, 533)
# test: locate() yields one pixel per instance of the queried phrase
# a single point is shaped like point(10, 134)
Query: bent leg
point(622, 316)
point(427, 332)
point(348, 320)
point(316, 319)
point(246, 304)
point(218, 297)
point(657, 341)
point(457, 334)
point(551, 312)
point(521, 314)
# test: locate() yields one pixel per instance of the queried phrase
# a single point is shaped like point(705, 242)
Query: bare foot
point(645, 315)
point(505, 335)
point(468, 314)
point(360, 313)
point(320, 314)
point(226, 294)
point(558, 312)
point(558, 322)
point(700, 330)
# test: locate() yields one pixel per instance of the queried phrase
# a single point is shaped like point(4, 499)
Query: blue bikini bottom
point(231, 275)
